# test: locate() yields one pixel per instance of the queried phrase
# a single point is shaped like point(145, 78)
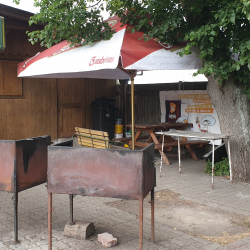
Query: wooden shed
point(34, 107)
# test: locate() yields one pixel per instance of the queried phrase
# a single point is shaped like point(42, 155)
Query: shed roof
point(17, 19)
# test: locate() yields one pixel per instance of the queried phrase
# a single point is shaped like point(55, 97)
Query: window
point(10, 84)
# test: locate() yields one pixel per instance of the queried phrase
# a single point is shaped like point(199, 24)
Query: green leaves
point(219, 29)
point(220, 168)
point(211, 39)
point(73, 20)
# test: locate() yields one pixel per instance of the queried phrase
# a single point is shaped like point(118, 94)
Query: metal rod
point(49, 221)
point(71, 209)
point(140, 224)
point(229, 159)
point(161, 153)
point(152, 216)
point(133, 109)
point(213, 167)
point(15, 201)
point(179, 154)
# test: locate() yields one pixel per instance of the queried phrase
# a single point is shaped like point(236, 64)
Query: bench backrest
point(92, 138)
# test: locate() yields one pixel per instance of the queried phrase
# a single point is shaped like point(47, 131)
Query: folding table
point(201, 135)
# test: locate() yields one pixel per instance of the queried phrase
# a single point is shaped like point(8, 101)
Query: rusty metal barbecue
point(115, 173)
point(23, 164)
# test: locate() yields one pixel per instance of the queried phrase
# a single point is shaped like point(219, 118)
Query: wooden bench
point(95, 139)
point(170, 144)
point(127, 139)
point(92, 138)
point(195, 143)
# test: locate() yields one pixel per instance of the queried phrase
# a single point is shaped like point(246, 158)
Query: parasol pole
point(132, 72)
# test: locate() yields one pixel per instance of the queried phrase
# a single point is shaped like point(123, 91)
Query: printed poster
point(190, 106)
point(173, 109)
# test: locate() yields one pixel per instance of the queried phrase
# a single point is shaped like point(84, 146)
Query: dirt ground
point(191, 218)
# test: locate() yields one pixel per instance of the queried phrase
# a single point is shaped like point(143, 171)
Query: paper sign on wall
point(190, 106)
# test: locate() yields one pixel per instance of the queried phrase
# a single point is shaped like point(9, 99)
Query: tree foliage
point(219, 29)
point(74, 20)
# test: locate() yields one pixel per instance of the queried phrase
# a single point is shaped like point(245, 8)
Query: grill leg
point(140, 224)
point(71, 206)
point(15, 200)
point(49, 221)
point(152, 216)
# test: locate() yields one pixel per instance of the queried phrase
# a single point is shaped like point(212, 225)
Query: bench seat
point(92, 138)
point(127, 139)
point(196, 143)
point(96, 139)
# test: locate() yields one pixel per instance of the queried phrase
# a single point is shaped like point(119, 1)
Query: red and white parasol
point(107, 59)
point(111, 59)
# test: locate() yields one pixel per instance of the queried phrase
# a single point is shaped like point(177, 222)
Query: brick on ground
point(107, 240)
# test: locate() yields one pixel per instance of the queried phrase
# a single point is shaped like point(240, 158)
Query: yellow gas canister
point(118, 129)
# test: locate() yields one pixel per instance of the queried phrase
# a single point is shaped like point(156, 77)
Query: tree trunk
point(233, 109)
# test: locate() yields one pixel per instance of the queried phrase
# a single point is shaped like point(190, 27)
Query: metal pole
point(15, 201)
point(133, 109)
point(213, 167)
point(179, 154)
point(71, 209)
point(152, 216)
point(140, 224)
point(161, 153)
point(49, 221)
point(229, 159)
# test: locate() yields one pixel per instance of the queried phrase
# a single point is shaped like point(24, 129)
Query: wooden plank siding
point(17, 46)
point(43, 106)
point(147, 100)
point(74, 102)
point(32, 115)
point(94, 90)
point(51, 106)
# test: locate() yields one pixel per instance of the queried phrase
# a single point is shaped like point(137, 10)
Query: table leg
point(179, 154)
point(152, 217)
point(15, 201)
point(213, 167)
point(71, 208)
point(140, 224)
point(190, 150)
point(149, 140)
point(49, 221)
point(161, 154)
point(165, 158)
point(229, 159)
point(138, 133)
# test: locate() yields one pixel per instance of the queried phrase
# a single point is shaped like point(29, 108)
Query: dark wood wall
point(147, 100)
point(34, 107)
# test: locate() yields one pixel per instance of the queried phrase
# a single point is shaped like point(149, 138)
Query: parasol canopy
point(107, 59)
point(118, 58)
